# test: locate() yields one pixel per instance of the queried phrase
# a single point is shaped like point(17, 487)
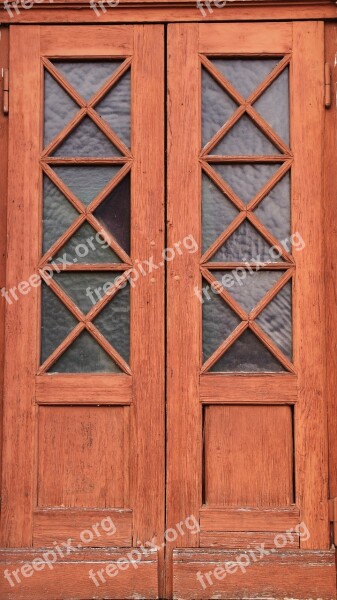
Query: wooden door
point(83, 450)
point(247, 410)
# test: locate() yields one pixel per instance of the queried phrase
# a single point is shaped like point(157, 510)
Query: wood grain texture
point(56, 41)
point(330, 238)
point(269, 389)
point(84, 527)
point(248, 456)
point(240, 10)
point(91, 389)
point(311, 458)
point(246, 539)
point(69, 579)
point(82, 453)
point(4, 53)
point(249, 519)
point(282, 575)
point(20, 340)
point(147, 298)
point(241, 38)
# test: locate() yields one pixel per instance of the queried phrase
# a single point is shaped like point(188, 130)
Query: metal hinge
point(333, 518)
point(327, 86)
point(5, 88)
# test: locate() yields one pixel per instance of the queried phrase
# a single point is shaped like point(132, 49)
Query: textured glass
point(85, 289)
point(85, 355)
point(87, 140)
point(246, 287)
point(276, 320)
point(217, 107)
point(247, 355)
point(245, 74)
point(245, 139)
point(218, 322)
point(56, 322)
point(86, 181)
point(245, 179)
point(114, 213)
point(217, 212)
point(274, 210)
point(115, 108)
point(87, 77)
point(59, 108)
point(245, 244)
point(58, 214)
point(84, 247)
point(273, 106)
point(114, 322)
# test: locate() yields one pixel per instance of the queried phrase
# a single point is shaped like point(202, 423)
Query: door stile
point(309, 310)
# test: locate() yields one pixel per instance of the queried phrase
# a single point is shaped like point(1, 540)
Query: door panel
point(247, 443)
point(85, 204)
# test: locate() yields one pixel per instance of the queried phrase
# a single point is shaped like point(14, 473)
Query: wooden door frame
point(78, 12)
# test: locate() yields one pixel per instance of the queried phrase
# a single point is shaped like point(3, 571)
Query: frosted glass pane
point(245, 244)
point(245, 139)
point(248, 355)
point(84, 247)
point(247, 288)
point(245, 179)
point(114, 322)
point(274, 210)
point(85, 289)
point(58, 214)
point(273, 106)
point(87, 77)
point(217, 107)
point(115, 108)
point(276, 320)
point(245, 74)
point(87, 140)
point(56, 322)
point(217, 212)
point(114, 213)
point(218, 322)
point(59, 108)
point(85, 355)
point(86, 181)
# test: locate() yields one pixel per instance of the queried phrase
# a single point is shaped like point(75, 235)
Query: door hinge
point(333, 518)
point(5, 89)
point(327, 86)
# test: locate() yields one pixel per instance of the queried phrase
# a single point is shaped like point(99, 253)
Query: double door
point(165, 417)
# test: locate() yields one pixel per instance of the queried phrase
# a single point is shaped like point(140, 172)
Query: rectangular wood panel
point(62, 41)
point(98, 528)
point(249, 519)
point(246, 539)
point(248, 389)
point(243, 38)
point(248, 455)
point(97, 389)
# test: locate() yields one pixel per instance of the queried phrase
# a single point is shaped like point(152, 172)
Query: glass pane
point(56, 322)
point(85, 355)
point(115, 108)
point(87, 77)
point(217, 107)
point(58, 214)
point(245, 244)
point(218, 321)
point(87, 246)
point(114, 213)
point(245, 139)
point(85, 289)
point(274, 210)
point(87, 140)
point(276, 320)
point(248, 355)
point(246, 287)
point(217, 212)
point(245, 74)
point(86, 181)
point(273, 106)
point(114, 322)
point(59, 108)
point(246, 180)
